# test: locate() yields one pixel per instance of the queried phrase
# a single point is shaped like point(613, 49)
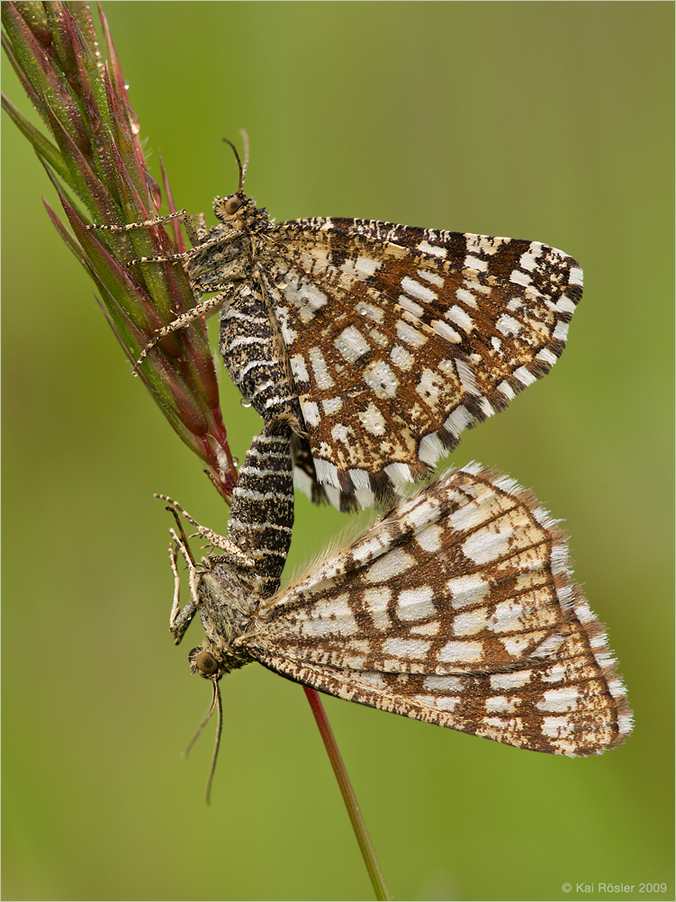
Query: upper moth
point(378, 343)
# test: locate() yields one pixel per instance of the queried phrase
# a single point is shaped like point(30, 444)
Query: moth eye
point(232, 204)
point(204, 662)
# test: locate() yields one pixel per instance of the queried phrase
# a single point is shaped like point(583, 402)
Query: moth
point(377, 343)
point(457, 607)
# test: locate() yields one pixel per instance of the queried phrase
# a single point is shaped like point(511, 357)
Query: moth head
point(227, 207)
point(233, 203)
point(204, 663)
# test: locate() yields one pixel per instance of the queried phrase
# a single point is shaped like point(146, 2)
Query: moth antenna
point(217, 742)
point(245, 139)
point(242, 169)
point(216, 705)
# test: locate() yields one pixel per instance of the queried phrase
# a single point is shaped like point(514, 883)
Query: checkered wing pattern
point(377, 343)
point(457, 608)
point(400, 338)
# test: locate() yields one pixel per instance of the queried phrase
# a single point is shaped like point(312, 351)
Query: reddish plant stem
point(358, 825)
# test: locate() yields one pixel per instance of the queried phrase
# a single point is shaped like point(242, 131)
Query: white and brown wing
point(456, 608)
point(400, 338)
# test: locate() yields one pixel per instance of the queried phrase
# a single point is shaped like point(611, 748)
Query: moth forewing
point(426, 332)
point(457, 608)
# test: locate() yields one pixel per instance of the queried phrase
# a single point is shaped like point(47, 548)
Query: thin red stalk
point(353, 810)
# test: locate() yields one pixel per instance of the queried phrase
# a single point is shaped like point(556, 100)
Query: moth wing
point(457, 608)
point(400, 338)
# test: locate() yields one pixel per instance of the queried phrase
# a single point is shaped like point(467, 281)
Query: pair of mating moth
point(367, 348)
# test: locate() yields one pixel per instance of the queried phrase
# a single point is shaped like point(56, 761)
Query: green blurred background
point(549, 121)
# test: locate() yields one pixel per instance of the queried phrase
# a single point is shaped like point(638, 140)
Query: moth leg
point(192, 232)
point(198, 311)
point(179, 619)
point(176, 605)
point(232, 553)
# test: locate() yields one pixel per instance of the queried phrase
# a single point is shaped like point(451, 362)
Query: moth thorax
point(225, 262)
point(227, 599)
point(234, 584)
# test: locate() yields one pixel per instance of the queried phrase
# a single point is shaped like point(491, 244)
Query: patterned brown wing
point(379, 343)
point(305, 478)
point(457, 608)
point(400, 338)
